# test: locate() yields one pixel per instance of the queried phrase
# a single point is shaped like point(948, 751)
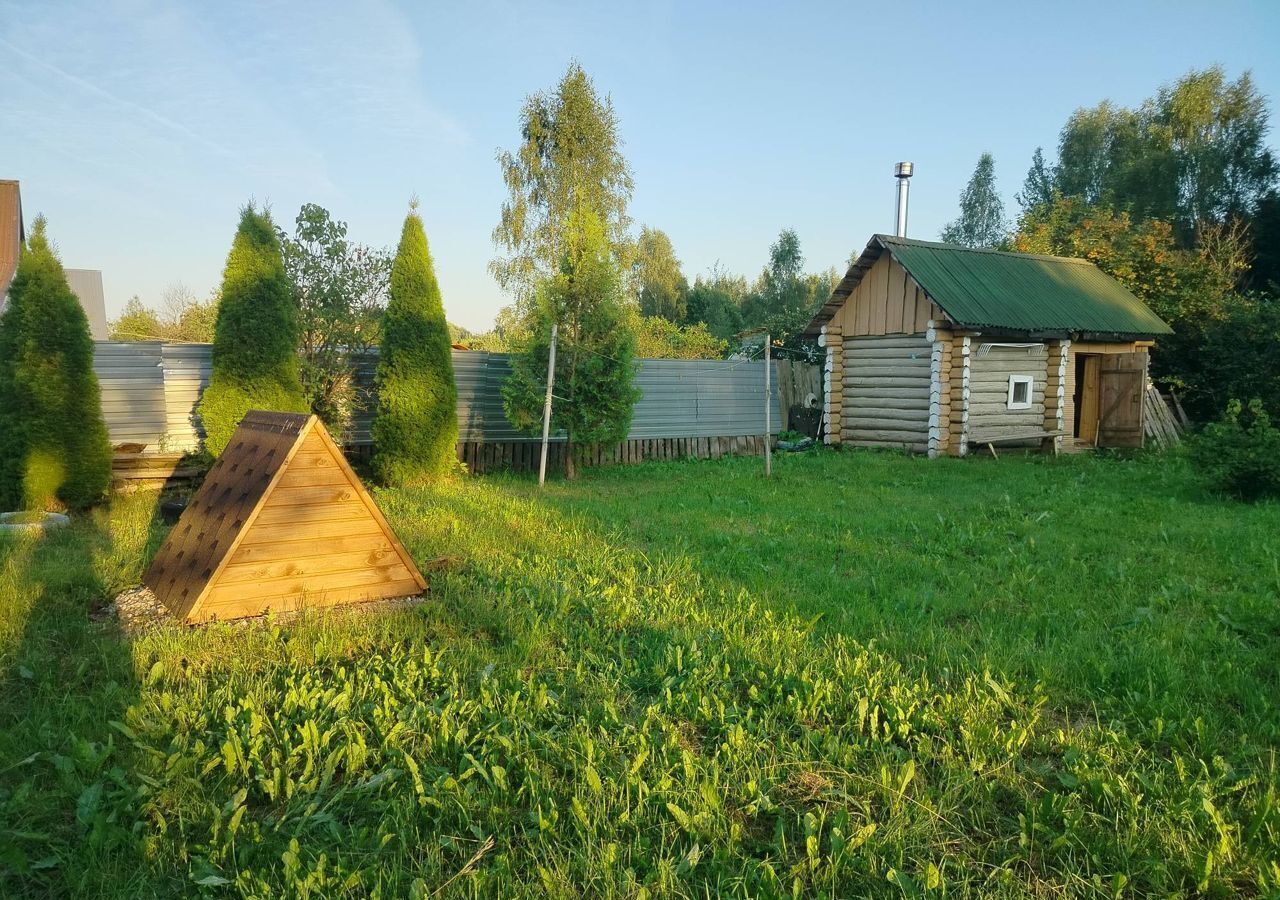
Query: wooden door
point(1122, 380)
point(1087, 402)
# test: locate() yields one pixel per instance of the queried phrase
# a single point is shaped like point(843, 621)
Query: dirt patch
point(804, 786)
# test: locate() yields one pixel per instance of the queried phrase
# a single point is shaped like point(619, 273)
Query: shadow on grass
point(65, 676)
point(1114, 582)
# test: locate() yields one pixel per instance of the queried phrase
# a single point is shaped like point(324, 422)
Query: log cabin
point(940, 349)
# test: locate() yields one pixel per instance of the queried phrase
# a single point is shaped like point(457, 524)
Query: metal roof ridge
point(960, 248)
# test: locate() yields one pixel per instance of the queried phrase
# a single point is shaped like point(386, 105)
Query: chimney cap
point(903, 170)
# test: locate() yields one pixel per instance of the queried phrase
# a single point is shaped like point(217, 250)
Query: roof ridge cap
point(959, 248)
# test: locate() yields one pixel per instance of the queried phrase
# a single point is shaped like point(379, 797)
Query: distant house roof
point(12, 234)
point(86, 284)
point(1021, 292)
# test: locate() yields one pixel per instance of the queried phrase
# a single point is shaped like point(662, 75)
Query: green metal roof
point(1020, 291)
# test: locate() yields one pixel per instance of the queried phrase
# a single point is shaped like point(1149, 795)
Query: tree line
point(1179, 200)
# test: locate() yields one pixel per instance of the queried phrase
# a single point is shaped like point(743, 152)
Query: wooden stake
point(768, 449)
point(546, 406)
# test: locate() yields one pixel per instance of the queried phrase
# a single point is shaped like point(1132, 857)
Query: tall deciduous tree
point(569, 167)
point(181, 318)
point(716, 301)
point(659, 338)
point(1195, 153)
point(780, 289)
point(661, 288)
point(138, 322)
point(341, 289)
point(415, 432)
point(1192, 290)
point(595, 371)
point(982, 221)
point(255, 342)
point(53, 440)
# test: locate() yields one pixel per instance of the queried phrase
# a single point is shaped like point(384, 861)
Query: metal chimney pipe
point(902, 171)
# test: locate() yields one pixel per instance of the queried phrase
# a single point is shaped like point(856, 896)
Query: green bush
point(415, 431)
point(1240, 455)
point(255, 340)
point(53, 440)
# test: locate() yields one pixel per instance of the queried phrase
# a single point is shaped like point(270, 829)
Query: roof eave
point(1060, 334)
point(866, 259)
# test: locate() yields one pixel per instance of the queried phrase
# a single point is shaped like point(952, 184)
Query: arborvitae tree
point(595, 392)
point(415, 432)
point(982, 221)
point(255, 341)
point(53, 440)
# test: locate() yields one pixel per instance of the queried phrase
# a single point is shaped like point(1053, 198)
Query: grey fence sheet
point(150, 392)
point(132, 379)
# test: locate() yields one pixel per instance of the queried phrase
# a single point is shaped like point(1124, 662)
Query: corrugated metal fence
point(686, 408)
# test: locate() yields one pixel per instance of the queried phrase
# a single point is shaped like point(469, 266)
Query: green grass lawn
point(871, 675)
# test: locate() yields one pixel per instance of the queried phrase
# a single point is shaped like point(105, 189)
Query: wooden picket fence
point(486, 457)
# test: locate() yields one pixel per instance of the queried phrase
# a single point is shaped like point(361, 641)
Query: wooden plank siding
point(1069, 387)
point(886, 301)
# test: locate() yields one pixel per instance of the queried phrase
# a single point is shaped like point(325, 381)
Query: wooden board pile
point(1162, 426)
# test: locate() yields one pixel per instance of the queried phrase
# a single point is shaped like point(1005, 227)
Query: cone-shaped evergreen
point(53, 440)
point(255, 340)
point(415, 432)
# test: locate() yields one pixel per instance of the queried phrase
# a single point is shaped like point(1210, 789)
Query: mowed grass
point(872, 675)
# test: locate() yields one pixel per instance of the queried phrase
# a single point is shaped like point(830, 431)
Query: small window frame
point(1014, 382)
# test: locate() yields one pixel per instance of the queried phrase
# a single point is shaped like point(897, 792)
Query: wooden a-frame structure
point(280, 523)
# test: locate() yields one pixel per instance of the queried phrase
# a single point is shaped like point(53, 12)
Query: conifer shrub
point(255, 339)
point(415, 430)
point(54, 447)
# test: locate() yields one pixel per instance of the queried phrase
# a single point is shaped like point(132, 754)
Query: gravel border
point(137, 610)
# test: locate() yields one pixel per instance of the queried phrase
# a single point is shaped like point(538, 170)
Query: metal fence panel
point(150, 392)
point(186, 374)
point(131, 376)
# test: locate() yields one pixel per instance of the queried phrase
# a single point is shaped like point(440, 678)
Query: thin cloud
point(94, 89)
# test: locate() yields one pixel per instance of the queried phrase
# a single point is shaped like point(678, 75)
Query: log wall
point(1055, 394)
point(989, 372)
point(886, 392)
point(942, 370)
point(961, 350)
point(831, 338)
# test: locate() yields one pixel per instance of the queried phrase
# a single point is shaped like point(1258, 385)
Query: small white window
point(1020, 391)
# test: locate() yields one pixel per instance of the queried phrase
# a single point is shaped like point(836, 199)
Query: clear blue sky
point(139, 128)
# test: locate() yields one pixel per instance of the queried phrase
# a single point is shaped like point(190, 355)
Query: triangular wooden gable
point(281, 522)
